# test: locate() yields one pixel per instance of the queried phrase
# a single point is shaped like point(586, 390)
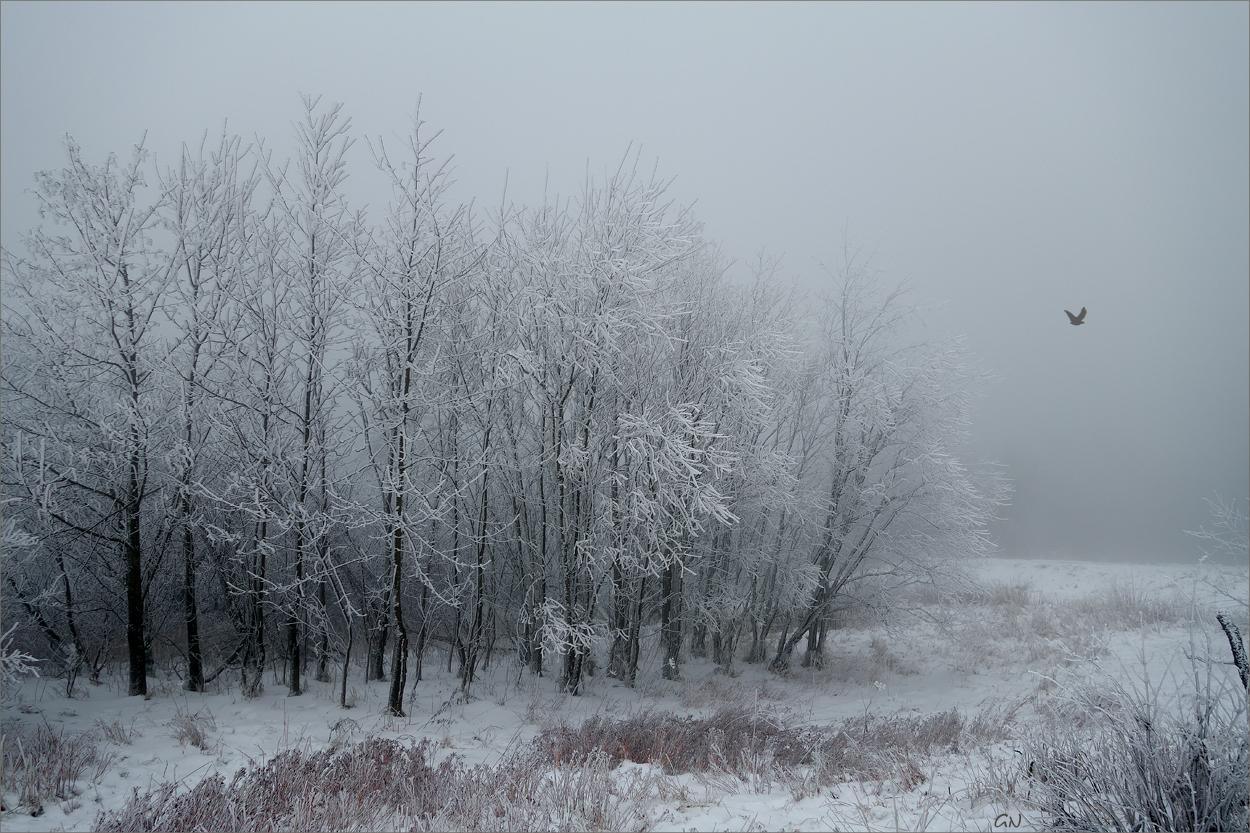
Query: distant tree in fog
point(896, 502)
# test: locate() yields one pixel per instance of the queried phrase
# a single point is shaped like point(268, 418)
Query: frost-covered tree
point(412, 267)
point(82, 410)
point(572, 432)
point(210, 216)
point(1228, 537)
point(591, 325)
point(14, 663)
point(895, 502)
point(316, 259)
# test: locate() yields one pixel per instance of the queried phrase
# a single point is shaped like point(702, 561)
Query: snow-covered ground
point(1037, 627)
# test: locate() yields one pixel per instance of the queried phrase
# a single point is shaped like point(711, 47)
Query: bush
point(1140, 759)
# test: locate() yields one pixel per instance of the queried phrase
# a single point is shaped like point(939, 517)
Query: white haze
point(1012, 160)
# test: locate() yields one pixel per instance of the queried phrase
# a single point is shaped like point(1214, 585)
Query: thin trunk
point(422, 635)
point(323, 555)
point(399, 657)
point(479, 569)
point(670, 619)
point(635, 635)
point(323, 632)
point(195, 667)
point(133, 547)
point(292, 629)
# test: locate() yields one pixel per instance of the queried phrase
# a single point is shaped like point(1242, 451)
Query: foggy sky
point(1010, 160)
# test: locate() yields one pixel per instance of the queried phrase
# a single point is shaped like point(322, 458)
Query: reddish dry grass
point(380, 785)
point(741, 741)
point(561, 782)
point(45, 765)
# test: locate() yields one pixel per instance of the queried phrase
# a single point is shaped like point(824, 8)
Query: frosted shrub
point(14, 664)
point(1144, 758)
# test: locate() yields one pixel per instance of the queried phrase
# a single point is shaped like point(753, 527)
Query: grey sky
point(1012, 160)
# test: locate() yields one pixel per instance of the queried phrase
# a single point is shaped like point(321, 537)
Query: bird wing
point(1072, 317)
point(1081, 317)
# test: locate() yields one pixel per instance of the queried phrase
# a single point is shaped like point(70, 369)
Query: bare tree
point(1227, 537)
point(85, 304)
point(317, 259)
point(566, 432)
point(897, 500)
point(422, 251)
point(208, 213)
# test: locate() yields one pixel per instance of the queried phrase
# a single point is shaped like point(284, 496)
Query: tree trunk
point(1237, 647)
point(135, 643)
point(617, 658)
point(376, 669)
point(399, 657)
point(670, 621)
point(635, 635)
point(422, 635)
point(294, 688)
point(195, 667)
point(323, 635)
point(781, 662)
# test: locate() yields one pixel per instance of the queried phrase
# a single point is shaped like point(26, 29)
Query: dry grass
point(720, 691)
point(193, 729)
point(1126, 605)
point(45, 765)
point(118, 732)
point(746, 743)
point(564, 780)
point(1005, 622)
point(386, 785)
point(1166, 755)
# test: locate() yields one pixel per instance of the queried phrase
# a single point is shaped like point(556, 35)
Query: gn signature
point(1004, 820)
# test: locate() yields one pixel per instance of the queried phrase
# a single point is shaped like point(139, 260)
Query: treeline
point(246, 426)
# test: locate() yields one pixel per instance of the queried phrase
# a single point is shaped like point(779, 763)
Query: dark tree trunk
point(399, 656)
point(1237, 647)
point(422, 635)
point(135, 643)
point(698, 640)
point(323, 633)
point(536, 646)
point(814, 656)
point(293, 658)
point(617, 660)
point(195, 666)
point(670, 621)
point(376, 669)
point(785, 649)
point(635, 635)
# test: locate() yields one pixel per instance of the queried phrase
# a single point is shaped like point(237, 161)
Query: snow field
point(921, 722)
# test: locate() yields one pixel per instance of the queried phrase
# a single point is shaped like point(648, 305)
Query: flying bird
point(1077, 319)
